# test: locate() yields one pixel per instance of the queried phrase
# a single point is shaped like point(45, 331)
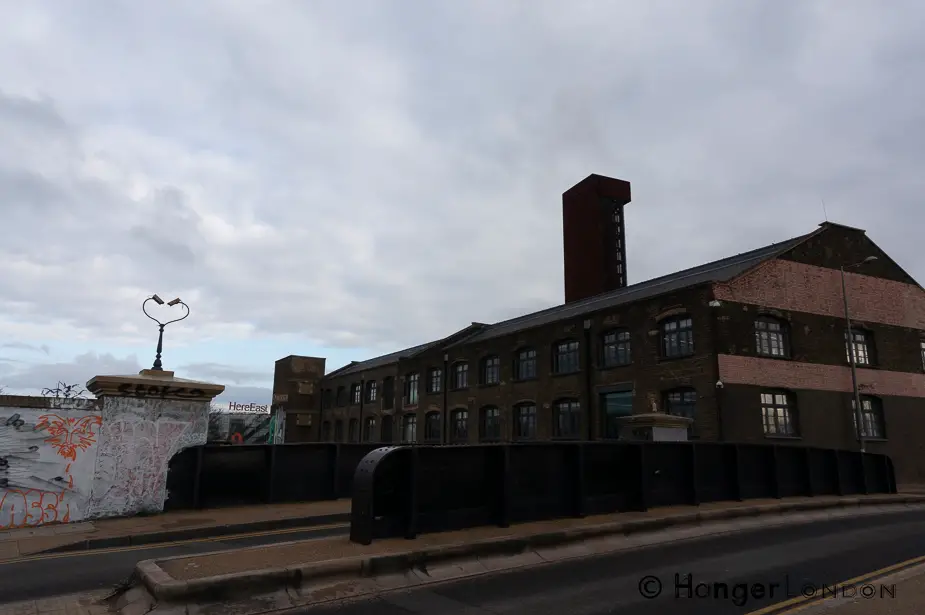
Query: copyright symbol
point(650, 587)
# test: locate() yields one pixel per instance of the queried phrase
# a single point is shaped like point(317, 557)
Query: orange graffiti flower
point(68, 435)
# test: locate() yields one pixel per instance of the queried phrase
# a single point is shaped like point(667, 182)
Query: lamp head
point(157, 300)
point(174, 302)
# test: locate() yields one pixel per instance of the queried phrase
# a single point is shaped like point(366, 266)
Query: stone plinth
point(156, 384)
point(655, 427)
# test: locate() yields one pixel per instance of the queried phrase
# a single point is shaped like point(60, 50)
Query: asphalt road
point(44, 576)
point(783, 562)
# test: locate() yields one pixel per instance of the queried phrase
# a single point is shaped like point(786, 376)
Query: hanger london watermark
point(741, 593)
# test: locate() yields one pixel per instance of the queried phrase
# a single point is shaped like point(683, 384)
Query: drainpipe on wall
point(589, 385)
point(718, 395)
point(362, 399)
point(446, 399)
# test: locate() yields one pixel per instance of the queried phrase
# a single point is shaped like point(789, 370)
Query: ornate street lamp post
point(160, 335)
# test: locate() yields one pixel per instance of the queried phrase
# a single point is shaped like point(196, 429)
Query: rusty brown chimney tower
point(594, 237)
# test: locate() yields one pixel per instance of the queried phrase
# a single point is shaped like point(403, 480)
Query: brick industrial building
point(753, 347)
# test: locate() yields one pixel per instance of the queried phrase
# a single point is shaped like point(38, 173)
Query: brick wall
point(777, 373)
point(800, 287)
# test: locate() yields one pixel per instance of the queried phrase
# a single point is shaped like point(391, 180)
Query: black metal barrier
point(217, 476)
point(410, 490)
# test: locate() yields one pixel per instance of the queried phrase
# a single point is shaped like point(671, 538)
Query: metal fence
point(217, 476)
point(409, 490)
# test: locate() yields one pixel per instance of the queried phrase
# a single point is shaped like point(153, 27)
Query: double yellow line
point(800, 603)
point(165, 545)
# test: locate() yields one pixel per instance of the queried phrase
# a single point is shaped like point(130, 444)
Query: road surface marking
point(800, 602)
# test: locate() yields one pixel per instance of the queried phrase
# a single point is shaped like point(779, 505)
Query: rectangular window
point(861, 347)
point(435, 380)
point(491, 370)
point(678, 337)
point(388, 392)
point(617, 349)
point(566, 358)
point(922, 348)
point(411, 389)
point(355, 393)
point(371, 391)
point(525, 422)
point(567, 419)
point(338, 431)
point(341, 399)
point(461, 376)
point(526, 364)
point(777, 415)
point(872, 423)
point(616, 405)
point(369, 428)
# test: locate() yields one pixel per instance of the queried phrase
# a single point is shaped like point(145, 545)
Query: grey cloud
point(245, 395)
point(44, 348)
point(223, 374)
point(369, 178)
point(32, 378)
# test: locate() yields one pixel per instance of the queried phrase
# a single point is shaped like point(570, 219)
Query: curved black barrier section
point(408, 490)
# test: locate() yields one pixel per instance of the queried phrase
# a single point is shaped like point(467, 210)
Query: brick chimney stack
point(594, 237)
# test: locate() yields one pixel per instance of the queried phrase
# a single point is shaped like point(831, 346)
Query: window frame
point(769, 400)
point(341, 398)
point(783, 332)
point(460, 375)
point(338, 430)
point(574, 411)
point(493, 363)
point(683, 328)
point(435, 380)
point(867, 340)
point(516, 414)
point(369, 426)
point(372, 391)
point(922, 352)
point(619, 346)
point(456, 435)
point(432, 431)
point(409, 419)
point(412, 390)
point(353, 430)
point(875, 411)
point(566, 357)
point(490, 414)
point(387, 421)
point(356, 393)
point(326, 431)
point(667, 406)
point(525, 356)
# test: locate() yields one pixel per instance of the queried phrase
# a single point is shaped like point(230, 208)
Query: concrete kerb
point(167, 589)
point(152, 538)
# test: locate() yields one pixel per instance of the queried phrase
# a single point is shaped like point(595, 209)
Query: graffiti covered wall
point(137, 439)
point(47, 461)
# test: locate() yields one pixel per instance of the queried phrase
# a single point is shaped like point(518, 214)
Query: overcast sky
point(341, 179)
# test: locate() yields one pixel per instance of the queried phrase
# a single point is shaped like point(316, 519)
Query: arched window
point(525, 421)
point(386, 433)
point(371, 391)
point(490, 424)
point(525, 364)
point(772, 337)
point(491, 370)
point(341, 399)
point(432, 427)
point(459, 426)
point(779, 414)
point(566, 357)
point(326, 431)
point(616, 348)
point(409, 428)
point(566, 417)
point(338, 431)
point(460, 375)
point(369, 428)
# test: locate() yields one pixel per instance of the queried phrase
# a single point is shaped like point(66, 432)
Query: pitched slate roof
point(716, 271)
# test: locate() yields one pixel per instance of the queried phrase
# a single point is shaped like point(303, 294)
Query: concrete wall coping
point(154, 384)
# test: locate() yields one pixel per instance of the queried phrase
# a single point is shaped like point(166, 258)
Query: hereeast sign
point(248, 408)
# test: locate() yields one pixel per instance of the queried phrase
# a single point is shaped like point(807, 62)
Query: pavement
point(779, 562)
point(168, 527)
